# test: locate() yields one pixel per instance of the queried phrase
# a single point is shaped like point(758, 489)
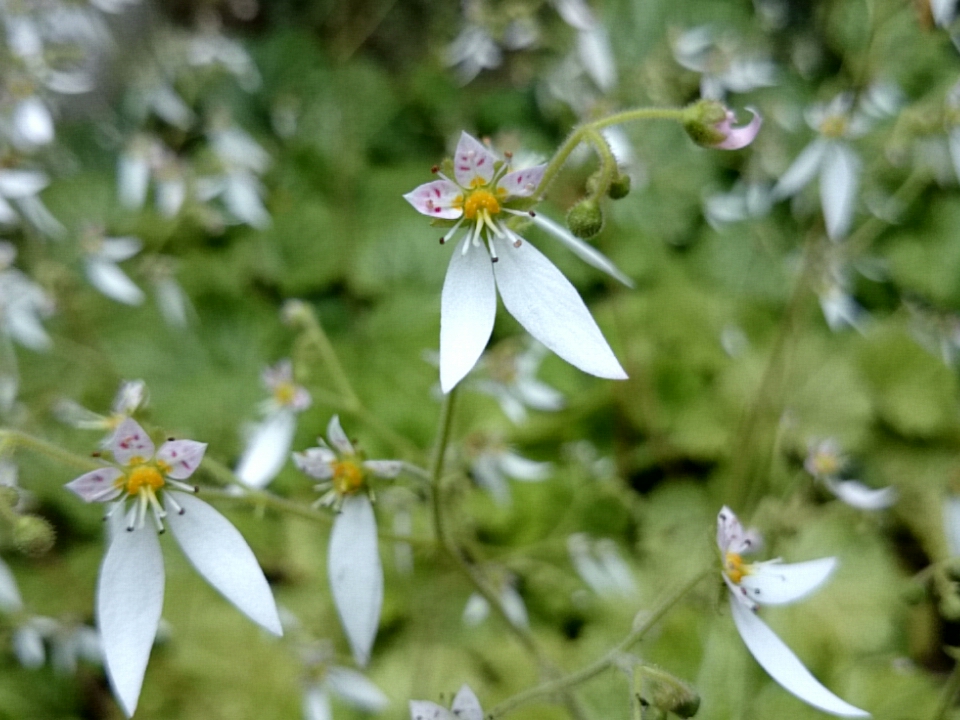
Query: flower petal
point(776, 583)
point(119, 249)
point(129, 601)
point(542, 300)
point(465, 705)
point(183, 457)
point(97, 485)
point(437, 199)
point(356, 575)
point(129, 441)
point(539, 395)
point(338, 438)
point(801, 172)
point(472, 160)
point(426, 710)
point(856, 494)
point(113, 282)
point(593, 46)
point(951, 524)
point(10, 600)
point(954, 141)
point(586, 252)
point(315, 462)
point(468, 306)
point(356, 689)
point(783, 666)
point(839, 179)
point(16, 184)
point(386, 469)
point(740, 137)
point(218, 552)
point(522, 183)
point(521, 468)
point(731, 537)
point(316, 704)
point(267, 450)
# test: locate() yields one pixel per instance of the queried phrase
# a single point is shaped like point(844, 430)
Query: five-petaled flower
point(130, 587)
point(353, 565)
point(483, 196)
point(773, 583)
point(465, 706)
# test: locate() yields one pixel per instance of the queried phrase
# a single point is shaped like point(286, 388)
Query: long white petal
point(426, 710)
point(586, 252)
point(856, 494)
point(951, 524)
point(119, 249)
point(113, 282)
point(802, 171)
point(468, 306)
point(316, 704)
point(356, 575)
point(356, 689)
point(839, 179)
point(542, 300)
point(783, 666)
point(267, 450)
point(593, 45)
point(775, 583)
point(17, 184)
point(954, 142)
point(10, 600)
point(129, 601)
point(218, 552)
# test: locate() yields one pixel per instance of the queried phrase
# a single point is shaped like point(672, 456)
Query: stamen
point(142, 503)
point(452, 231)
point(183, 486)
point(132, 517)
point(174, 504)
point(101, 494)
point(493, 252)
point(513, 237)
point(488, 221)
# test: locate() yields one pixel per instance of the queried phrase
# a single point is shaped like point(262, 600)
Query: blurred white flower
point(31, 124)
point(492, 256)
point(130, 587)
point(744, 201)
point(324, 679)
point(826, 462)
point(131, 397)
point(773, 583)
point(23, 304)
point(472, 51)
point(508, 373)
point(19, 200)
point(600, 565)
point(492, 463)
point(353, 565)
point(101, 255)
point(721, 64)
point(269, 442)
point(833, 159)
point(477, 608)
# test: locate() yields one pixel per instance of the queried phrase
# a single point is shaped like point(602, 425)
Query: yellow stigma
point(735, 567)
point(347, 477)
point(480, 200)
point(144, 476)
point(834, 126)
point(825, 463)
point(284, 393)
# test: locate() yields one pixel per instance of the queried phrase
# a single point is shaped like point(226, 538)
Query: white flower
point(533, 289)
point(238, 185)
point(599, 565)
point(343, 683)
point(130, 587)
point(100, 264)
point(722, 66)
point(492, 463)
point(144, 158)
point(511, 379)
point(31, 124)
point(477, 608)
point(832, 158)
point(773, 583)
point(68, 643)
point(465, 706)
point(825, 462)
point(943, 11)
point(353, 565)
point(23, 304)
point(744, 201)
point(131, 397)
point(269, 444)
point(19, 199)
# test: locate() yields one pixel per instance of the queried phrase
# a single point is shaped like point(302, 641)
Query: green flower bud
point(950, 607)
point(710, 124)
point(667, 693)
point(585, 219)
point(620, 187)
point(33, 535)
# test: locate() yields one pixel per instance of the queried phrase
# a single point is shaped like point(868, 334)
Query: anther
point(443, 241)
point(494, 259)
point(517, 243)
point(435, 169)
point(171, 439)
point(508, 155)
point(95, 454)
point(531, 213)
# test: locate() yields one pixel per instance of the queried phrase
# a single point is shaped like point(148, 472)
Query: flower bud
point(620, 187)
point(710, 124)
point(585, 219)
point(9, 496)
point(667, 693)
point(33, 535)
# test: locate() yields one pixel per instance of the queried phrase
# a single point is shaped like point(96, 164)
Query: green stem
point(950, 692)
point(640, 629)
point(608, 163)
point(18, 439)
point(578, 134)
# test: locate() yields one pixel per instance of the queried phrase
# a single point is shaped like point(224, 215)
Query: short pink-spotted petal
point(466, 706)
point(738, 137)
point(97, 485)
point(523, 183)
point(338, 438)
point(731, 537)
point(439, 199)
point(472, 161)
point(183, 457)
point(426, 710)
point(130, 441)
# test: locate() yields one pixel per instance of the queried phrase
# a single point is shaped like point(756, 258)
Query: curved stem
point(640, 629)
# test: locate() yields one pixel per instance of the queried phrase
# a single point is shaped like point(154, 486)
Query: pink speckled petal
point(472, 161)
point(437, 199)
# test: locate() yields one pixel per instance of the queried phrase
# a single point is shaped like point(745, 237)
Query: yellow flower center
point(284, 393)
point(834, 126)
point(144, 475)
point(347, 477)
point(480, 200)
point(735, 567)
point(825, 464)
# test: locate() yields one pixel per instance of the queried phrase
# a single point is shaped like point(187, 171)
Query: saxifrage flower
point(484, 194)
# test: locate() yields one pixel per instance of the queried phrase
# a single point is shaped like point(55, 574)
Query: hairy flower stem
point(448, 545)
point(14, 439)
point(641, 628)
point(608, 163)
point(579, 134)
